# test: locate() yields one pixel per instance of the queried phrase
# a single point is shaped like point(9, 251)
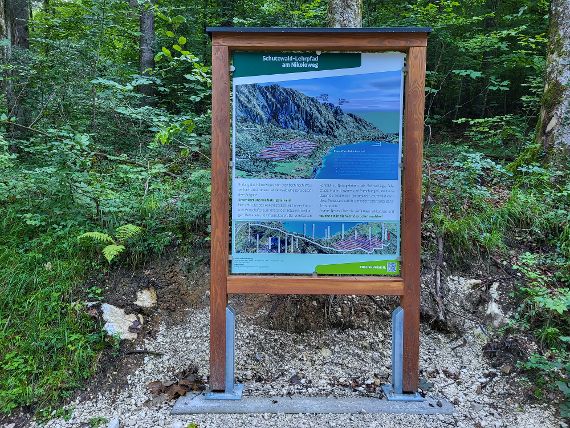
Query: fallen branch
point(144, 351)
point(100, 154)
point(7, 122)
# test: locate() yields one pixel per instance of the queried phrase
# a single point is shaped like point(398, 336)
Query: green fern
point(115, 245)
point(113, 250)
point(127, 231)
point(97, 236)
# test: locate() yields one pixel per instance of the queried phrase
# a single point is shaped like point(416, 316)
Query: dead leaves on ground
point(186, 380)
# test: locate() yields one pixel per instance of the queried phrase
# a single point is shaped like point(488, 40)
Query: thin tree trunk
point(147, 41)
point(553, 128)
point(3, 24)
point(345, 13)
point(16, 14)
point(5, 52)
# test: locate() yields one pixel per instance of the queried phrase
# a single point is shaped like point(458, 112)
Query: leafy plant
point(97, 421)
point(114, 246)
point(545, 308)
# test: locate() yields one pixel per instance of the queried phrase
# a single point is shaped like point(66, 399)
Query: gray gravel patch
point(338, 363)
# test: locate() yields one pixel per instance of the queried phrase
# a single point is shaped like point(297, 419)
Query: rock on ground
point(118, 323)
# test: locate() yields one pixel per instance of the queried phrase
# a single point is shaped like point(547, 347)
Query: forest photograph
point(106, 227)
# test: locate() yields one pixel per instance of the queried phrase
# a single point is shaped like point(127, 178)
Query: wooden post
point(220, 213)
point(411, 225)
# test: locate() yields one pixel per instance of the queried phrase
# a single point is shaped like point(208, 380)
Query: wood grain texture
point(269, 284)
point(308, 42)
point(220, 213)
point(411, 226)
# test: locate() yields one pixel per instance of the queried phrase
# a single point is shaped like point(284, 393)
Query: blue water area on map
point(306, 228)
point(367, 160)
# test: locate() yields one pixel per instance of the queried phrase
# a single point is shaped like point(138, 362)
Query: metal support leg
point(394, 392)
point(233, 391)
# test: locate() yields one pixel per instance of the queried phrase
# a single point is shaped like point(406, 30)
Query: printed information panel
point(316, 177)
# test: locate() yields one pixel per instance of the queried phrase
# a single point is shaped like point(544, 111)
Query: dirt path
point(331, 362)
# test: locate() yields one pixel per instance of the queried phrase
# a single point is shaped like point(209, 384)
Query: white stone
point(117, 322)
point(146, 298)
point(113, 423)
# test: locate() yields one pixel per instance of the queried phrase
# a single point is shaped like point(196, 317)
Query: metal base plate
point(392, 396)
point(225, 395)
point(197, 404)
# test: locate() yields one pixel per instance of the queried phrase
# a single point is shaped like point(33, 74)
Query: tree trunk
point(345, 13)
point(17, 13)
point(3, 31)
point(147, 42)
point(553, 129)
point(15, 28)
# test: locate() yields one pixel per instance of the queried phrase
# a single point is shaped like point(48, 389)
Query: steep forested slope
point(291, 109)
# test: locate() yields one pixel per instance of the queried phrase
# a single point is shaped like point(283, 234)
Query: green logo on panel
point(267, 63)
point(378, 267)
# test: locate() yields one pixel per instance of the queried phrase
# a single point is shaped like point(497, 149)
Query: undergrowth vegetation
point(517, 217)
point(95, 162)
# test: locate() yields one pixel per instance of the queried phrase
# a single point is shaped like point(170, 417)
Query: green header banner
point(269, 63)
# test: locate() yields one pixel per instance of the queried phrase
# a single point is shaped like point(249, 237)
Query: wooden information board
point(322, 136)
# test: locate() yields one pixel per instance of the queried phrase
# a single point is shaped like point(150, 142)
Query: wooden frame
point(412, 41)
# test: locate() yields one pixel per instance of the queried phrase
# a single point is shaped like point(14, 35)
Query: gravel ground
point(332, 362)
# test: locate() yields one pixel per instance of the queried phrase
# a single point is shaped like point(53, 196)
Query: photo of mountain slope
point(309, 129)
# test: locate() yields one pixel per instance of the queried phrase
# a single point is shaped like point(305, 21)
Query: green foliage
point(97, 421)
point(48, 342)
point(97, 236)
point(482, 210)
point(115, 246)
point(545, 309)
point(501, 136)
point(94, 158)
point(485, 68)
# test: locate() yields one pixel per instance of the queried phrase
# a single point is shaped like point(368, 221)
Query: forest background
point(104, 162)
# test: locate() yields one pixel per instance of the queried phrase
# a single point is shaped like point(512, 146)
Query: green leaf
point(181, 40)
point(176, 48)
point(469, 73)
point(166, 52)
point(96, 236)
point(170, 34)
point(179, 19)
point(112, 251)
point(127, 231)
point(565, 409)
point(564, 387)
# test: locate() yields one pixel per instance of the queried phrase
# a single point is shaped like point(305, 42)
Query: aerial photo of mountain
point(292, 130)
